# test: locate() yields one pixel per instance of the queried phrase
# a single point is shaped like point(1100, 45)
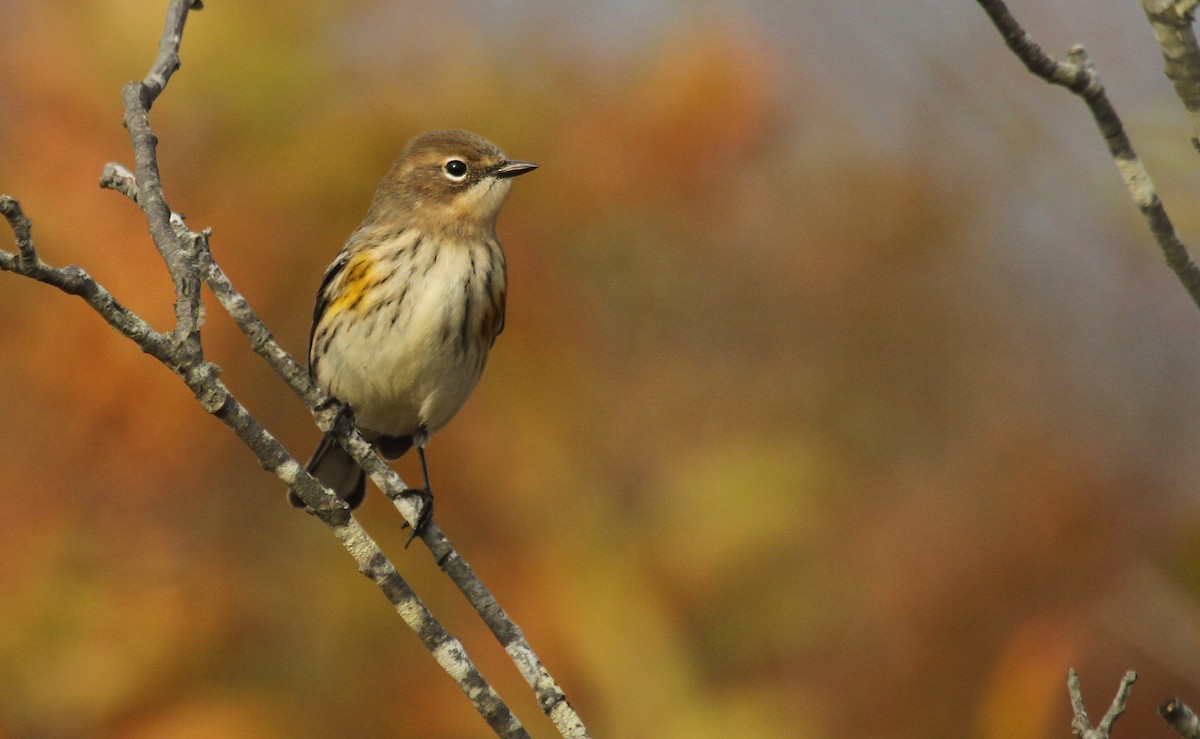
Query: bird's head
point(446, 180)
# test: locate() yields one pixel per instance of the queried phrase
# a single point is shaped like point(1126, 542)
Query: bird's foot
point(426, 514)
point(345, 413)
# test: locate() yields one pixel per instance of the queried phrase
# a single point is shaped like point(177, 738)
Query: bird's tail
point(337, 471)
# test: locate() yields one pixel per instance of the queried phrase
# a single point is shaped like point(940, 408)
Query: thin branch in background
point(1078, 75)
point(1180, 718)
point(1171, 21)
point(1080, 724)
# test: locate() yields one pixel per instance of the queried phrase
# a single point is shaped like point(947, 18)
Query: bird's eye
point(455, 169)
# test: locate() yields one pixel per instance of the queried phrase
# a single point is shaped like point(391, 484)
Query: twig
point(138, 98)
point(1180, 718)
point(1078, 75)
point(551, 698)
point(22, 229)
point(74, 281)
point(1080, 724)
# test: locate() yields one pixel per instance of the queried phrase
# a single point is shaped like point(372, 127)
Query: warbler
point(407, 312)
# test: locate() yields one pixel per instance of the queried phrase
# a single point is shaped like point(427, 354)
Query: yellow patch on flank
point(355, 281)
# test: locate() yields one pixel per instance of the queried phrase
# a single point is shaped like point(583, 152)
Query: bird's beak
point(513, 167)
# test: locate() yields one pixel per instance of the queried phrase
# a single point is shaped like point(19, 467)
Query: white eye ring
point(455, 169)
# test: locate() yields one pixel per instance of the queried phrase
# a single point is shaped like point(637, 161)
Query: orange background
point(842, 391)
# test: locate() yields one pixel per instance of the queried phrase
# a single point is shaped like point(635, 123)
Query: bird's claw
point(424, 517)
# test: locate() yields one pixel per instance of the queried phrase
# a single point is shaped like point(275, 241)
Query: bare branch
point(262, 341)
point(550, 695)
point(1171, 21)
point(1118, 705)
point(22, 231)
point(138, 98)
point(167, 62)
point(74, 281)
point(1079, 76)
point(1080, 724)
point(1180, 718)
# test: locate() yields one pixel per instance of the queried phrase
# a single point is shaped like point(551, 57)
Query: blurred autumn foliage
point(793, 431)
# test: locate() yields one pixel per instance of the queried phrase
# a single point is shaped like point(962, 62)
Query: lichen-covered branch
point(1171, 21)
point(1078, 75)
point(1080, 724)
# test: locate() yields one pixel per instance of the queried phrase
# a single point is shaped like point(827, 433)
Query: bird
point(410, 307)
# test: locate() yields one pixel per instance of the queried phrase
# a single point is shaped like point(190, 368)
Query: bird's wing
point(331, 274)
